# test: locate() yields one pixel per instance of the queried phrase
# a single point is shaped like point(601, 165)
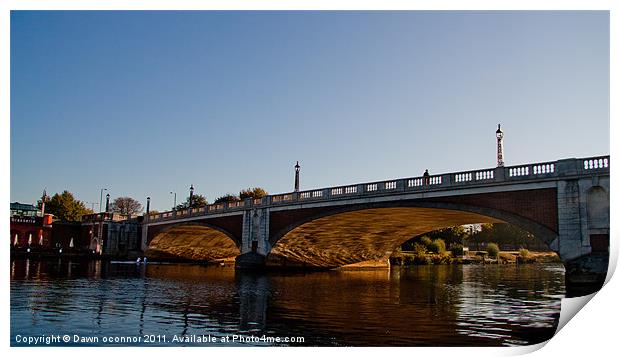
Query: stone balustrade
point(534, 172)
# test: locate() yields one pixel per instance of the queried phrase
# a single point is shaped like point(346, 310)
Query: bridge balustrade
point(389, 185)
point(596, 163)
point(236, 204)
point(475, 177)
point(311, 194)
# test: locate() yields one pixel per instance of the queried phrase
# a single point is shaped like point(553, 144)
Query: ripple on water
point(433, 305)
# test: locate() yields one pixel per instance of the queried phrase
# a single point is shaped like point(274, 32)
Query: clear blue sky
point(144, 103)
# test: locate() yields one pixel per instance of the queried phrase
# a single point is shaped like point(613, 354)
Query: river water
point(187, 305)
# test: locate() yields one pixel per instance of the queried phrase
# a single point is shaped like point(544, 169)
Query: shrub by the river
point(419, 249)
point(493, 250)
point(457, 250)
point(442, 258)
point(437, 246)
point(425, 241)
point(525, 257)
point(422, 260)
point(408, 260)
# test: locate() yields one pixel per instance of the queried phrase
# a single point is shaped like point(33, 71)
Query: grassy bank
point(406, 258)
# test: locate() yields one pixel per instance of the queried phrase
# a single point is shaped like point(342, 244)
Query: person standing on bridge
point(427, 177)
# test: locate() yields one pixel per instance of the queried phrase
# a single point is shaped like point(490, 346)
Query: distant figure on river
point(138, 261)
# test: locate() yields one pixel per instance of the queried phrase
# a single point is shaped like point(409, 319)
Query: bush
point(525, 257)
point(422, 260)
point(437, 246)
point(419, 249)
point(426, 241)
point(441, 259)
point(457, 250)
point(493, 250)
point(408, 260)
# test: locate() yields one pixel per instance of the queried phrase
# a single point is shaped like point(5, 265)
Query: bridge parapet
point(489, 176)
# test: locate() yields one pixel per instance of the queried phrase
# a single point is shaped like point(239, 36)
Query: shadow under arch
point(370, 232)
point(193, 241)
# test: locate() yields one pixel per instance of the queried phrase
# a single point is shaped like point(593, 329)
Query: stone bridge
point(564, 203)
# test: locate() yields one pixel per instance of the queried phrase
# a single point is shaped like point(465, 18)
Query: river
point(187, 305)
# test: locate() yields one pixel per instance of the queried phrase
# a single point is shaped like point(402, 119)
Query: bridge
point(564, 203)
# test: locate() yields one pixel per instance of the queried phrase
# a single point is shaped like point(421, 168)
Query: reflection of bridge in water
point(564, 203)
point(427, 305)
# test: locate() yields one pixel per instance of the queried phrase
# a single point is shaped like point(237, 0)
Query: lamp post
point(191, 195)
point(101, 198)
point(500, 146)
point(297, 176)
point(174, 207)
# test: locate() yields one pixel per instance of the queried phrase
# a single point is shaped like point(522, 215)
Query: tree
point(126, 205)
point(65, 207)
point(227, 198)
point(451, 235)
point(507, 236)
point(197, 201)
point(255, 192)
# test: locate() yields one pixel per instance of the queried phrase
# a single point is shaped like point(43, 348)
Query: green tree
point(493, 250)
point(508, 236)
point(65, 207)
point(197, 201)
point(255, 192)
point(450, 235)
point(227, 198)
point(437, 246)
point(126, 205)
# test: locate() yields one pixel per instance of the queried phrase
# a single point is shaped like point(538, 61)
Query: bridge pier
point(583, 233)
point(255, 244)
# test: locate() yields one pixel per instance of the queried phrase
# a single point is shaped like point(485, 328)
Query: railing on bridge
point(525, 172)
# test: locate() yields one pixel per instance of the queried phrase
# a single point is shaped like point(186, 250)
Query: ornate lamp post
point(174, 207)
point(500, 146)
point(101, 198)
point(297, 176)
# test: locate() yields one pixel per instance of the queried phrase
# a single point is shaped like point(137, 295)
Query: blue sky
point(144, 103)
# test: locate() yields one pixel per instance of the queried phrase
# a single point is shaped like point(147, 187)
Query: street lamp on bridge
point(174, 207)
point(101, 198)
point(500, 146)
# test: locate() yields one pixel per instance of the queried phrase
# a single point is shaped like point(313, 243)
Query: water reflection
point(427, 305)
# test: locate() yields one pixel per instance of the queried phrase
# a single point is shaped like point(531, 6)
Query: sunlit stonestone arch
point(193, 241)
point(368, 234)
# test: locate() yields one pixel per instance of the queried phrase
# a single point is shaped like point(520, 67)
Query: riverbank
point(407, 258)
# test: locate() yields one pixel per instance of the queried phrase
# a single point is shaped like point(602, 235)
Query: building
point(112, 234)
point(99, 234)
point(29, 229)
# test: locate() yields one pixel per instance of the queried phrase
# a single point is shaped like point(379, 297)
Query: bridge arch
point(197, 241)
point(370, 232)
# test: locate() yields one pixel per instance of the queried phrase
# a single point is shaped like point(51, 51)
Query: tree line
point(507, 236)
point(66, 207)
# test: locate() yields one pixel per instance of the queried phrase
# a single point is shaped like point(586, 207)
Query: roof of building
point(23, 207)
